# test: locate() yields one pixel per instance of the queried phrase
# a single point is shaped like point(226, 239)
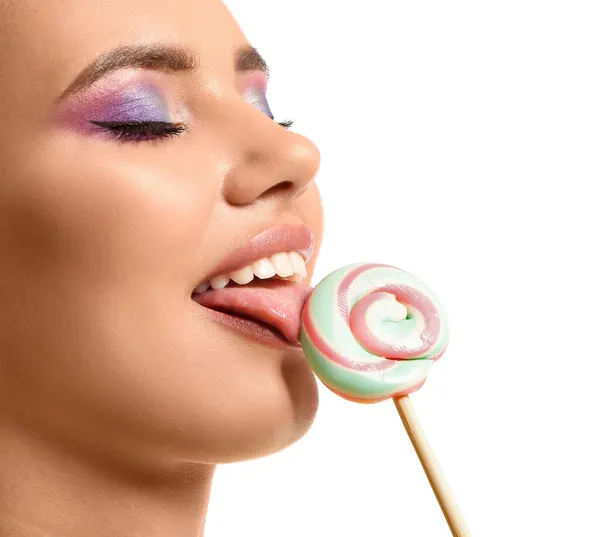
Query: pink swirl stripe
point(388, 356)
point(409, 297)
point(405, 295)
point(347, 282)
point(331, 354)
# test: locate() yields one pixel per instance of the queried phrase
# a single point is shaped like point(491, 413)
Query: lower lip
point(250, 329)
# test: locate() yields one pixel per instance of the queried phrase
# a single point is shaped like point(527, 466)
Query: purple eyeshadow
point(141, 101)
point(258, 98)
point(136, 104)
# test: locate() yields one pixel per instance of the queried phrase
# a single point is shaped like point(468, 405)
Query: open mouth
point(266, 310)
point(258, 289)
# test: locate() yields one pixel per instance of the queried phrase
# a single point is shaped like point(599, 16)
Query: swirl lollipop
point(371, 332)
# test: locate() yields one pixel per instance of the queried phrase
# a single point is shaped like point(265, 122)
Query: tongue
point(275, 302)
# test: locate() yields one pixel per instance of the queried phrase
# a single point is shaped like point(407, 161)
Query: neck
point(46, 491)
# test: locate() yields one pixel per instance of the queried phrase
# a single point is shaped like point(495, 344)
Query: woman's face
point(103, 237)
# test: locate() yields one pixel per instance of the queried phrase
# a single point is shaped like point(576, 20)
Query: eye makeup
point(143, 103)
point(137, 100)
point(257, 97)
point(136, 106)
point(253, 87)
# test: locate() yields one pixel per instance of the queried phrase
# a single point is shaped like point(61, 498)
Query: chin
point(261, 424)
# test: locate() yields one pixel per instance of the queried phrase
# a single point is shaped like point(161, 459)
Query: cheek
point(97, 256)
point(96, 252)
point(310, 209)
point(115, 213)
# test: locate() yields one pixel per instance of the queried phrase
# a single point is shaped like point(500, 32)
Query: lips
point(280, 238)
point(276, 303)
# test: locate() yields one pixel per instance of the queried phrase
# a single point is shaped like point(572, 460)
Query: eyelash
point(139, 131)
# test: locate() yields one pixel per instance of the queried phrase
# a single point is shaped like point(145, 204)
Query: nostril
point(280, 188)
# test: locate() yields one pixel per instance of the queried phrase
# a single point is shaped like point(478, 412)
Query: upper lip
point(274, 239)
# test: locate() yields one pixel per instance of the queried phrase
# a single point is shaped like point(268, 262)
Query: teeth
point(219, 282)
point(284, 265)
point(242, 276)
point(202, 287)
point(263, 268)
point(298, 263)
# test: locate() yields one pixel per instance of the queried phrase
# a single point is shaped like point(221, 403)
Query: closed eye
point(141, 130)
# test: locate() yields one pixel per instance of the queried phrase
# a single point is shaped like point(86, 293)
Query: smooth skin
point(117, 396)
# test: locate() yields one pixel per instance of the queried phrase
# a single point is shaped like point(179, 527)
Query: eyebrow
point(158, 56)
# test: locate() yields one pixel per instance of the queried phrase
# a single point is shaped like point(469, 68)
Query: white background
point(459, 141)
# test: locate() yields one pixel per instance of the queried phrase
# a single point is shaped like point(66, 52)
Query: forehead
point(47, 43)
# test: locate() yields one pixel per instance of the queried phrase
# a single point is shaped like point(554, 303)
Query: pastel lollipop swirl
point(372, 331)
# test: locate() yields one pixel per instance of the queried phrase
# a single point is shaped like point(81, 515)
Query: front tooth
point(263, 268)
point(281, 264)
point(242, 276)
point(218, 282)
point(298, 264)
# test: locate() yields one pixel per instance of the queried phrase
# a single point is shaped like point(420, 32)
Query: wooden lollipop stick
point(432, 468)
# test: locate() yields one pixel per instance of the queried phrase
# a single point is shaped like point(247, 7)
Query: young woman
point(158, 230)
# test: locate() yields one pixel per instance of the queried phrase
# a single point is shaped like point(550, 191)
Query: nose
point(268, 161)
